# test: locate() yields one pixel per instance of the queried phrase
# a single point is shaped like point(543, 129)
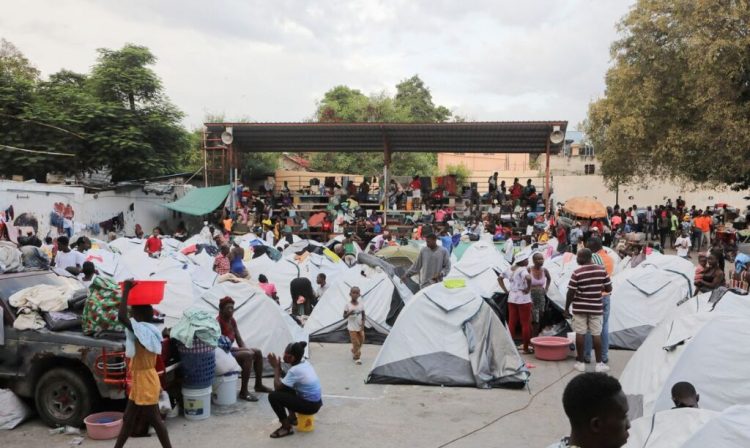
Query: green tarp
point(200, 201)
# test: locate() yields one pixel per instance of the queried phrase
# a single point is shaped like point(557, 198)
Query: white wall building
point(136, 205)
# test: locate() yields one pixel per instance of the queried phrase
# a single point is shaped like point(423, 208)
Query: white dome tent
point(480, 265)
point(449, 337)
point(697, 348)
point(379, 295)
point(261, 322)
point(641, 298)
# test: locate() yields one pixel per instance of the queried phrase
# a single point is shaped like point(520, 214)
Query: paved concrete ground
point(359, 415)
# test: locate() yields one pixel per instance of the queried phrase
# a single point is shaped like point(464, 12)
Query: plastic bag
point(225, 363)
point(13, 411)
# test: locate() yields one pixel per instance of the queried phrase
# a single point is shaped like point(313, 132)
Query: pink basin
point(551, 348)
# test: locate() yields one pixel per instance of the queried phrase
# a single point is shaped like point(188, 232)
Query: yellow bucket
point(305, 423)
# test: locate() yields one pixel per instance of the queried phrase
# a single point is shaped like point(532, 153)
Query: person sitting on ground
point(268, 288)
point(587, 285)
point(702, 263)
point(684, 395)
point(354, 313)
point(67, 259)
point(153, 244)
point(248, 358)
point(88, 271)
point(236, 264)
point(712, 276)
point(221, 261)
point(598, 412)
point(298, 392)
point(143, 345)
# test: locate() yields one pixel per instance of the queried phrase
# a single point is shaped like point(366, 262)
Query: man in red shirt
point(153, 244)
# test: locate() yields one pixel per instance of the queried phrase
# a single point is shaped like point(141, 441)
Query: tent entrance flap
point(200, 201)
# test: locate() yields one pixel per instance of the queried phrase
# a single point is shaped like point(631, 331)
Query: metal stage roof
point(473, 137)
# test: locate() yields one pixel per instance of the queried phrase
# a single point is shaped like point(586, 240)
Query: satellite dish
point(557, 136)
point(227, 138)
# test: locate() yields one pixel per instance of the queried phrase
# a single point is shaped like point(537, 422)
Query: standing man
point(649, 224)
point(587, 285)
point(598, 412)
point(600, 257)
point(354, 313)
point(432, 264)
point(492, 184)
point(576, 235)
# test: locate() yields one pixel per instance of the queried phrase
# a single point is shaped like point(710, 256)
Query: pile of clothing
point(32, 301)
point(10, 257)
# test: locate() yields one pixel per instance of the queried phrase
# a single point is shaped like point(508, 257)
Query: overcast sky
point(271, 60)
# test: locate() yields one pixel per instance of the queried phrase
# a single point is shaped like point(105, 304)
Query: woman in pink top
point(269, 288)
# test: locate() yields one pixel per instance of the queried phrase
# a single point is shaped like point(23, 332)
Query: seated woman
point(299, 391)
point(713, 276)
point(236, 265)
point(248, 358)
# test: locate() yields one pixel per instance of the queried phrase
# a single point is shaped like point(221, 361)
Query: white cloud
point(270, 61)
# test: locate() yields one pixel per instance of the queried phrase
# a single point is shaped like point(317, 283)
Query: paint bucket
point(225, 389)
point(196, 403)
point(305, 423)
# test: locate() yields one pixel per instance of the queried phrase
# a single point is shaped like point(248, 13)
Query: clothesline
point(35, 151)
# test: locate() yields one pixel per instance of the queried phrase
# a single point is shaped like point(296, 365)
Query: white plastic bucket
point(196, 403)
point(225, 390)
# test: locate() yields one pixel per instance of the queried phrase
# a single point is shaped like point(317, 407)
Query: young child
point(88, 272)
point(143, 344)
point(354, 313)
point(702, 260)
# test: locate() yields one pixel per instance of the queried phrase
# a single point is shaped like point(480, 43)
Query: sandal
point(251, 397)
point(281, 432)
point(529, 351)
point(263, 389)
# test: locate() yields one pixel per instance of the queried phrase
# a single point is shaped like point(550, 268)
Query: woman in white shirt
point(520, 304)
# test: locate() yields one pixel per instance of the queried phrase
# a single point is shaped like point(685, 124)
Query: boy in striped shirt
point(585, 290)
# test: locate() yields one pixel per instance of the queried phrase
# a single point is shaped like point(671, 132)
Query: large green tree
point(411, 103)
point(118, 117)
point(677, 101)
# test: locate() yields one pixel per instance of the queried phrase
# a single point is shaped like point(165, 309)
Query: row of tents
point(419, 332)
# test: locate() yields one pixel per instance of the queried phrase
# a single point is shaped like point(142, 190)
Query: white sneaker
point(601, 367)
point(581, 367)
point(358, 362)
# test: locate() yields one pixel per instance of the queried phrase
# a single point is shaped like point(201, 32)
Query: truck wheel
point(64, 397)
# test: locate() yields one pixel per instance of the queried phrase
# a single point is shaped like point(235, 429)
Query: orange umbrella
point(585, 207)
